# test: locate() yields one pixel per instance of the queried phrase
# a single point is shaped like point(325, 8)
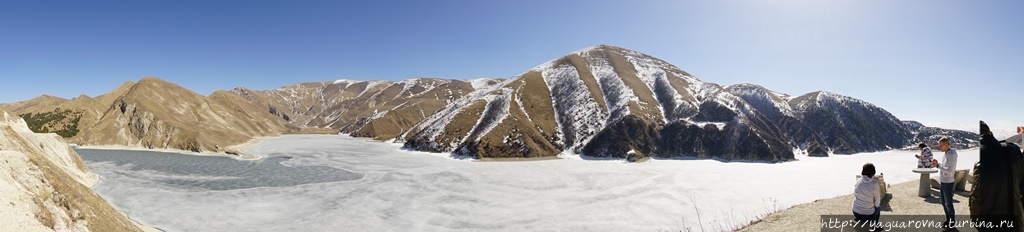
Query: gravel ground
point(902, 199)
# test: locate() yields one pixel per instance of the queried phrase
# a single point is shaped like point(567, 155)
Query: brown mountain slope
point(153, 113)
point(39, 104)
point(47, 114)
point(45, 185)
point(378, 109)
point(602, 101)
point(157, 114)
point(66, 117)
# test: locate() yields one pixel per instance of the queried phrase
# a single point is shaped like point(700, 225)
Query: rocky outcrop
point(157, 114)
point(44, 185)
point(850, 125)
point(628, 134)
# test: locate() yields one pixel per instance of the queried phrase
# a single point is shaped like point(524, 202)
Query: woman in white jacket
point(867, 198)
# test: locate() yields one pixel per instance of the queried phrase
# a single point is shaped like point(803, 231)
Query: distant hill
point(1016, 139)
point(153, 113)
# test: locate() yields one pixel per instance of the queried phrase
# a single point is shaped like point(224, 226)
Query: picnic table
point(923, 190)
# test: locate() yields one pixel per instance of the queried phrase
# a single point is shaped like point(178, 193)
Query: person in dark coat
point(998, 182)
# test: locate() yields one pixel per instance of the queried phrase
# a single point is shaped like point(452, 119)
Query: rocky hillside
point(602, 101)
point(377, 109)
point(153, 113)
point(607, 101)
point(44, 185)
point(930, 135)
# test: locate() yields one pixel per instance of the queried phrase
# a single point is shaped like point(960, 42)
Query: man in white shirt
point(947, 172)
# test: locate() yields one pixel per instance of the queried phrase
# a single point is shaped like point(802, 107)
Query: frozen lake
point(338, 183)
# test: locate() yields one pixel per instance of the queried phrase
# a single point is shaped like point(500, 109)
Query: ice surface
point(415, 191)
point(213, 173)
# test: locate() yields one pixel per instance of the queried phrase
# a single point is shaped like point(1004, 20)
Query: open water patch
point(213, 172)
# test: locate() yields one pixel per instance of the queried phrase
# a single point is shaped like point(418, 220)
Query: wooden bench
point(960, 183)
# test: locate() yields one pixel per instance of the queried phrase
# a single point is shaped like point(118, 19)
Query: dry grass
point(62, 191)
point(531, 133)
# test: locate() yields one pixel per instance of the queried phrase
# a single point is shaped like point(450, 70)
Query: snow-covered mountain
point(377, 109)
point(601, 101)
point(606, 101)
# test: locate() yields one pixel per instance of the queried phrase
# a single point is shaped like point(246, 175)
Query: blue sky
point(946, 63)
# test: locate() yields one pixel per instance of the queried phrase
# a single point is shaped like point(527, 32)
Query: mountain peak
point(601, 48)
point(151, 79)
point(48, 97)
point(618, 57)
point(745, 86)
point(822, 95)
point(344, 81)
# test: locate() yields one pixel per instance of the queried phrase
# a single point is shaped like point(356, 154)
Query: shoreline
point(901, 200)
point(225, 152)
point(529, 159)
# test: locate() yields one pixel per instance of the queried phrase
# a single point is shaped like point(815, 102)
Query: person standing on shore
point(947, 178)
point(998, 183)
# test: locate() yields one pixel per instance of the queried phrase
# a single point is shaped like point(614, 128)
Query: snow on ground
point(415, 191)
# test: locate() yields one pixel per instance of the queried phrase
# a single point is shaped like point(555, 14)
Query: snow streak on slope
point(617, 95)
point(484, 83)
point(434, 125)
point(426, 84)
point(820, 98)
point(655, 77)
point(369, 86)
point(519, 102)
point(710, 92)
point(577, 114)
point(640, 59)
point(760, 94)
point(495, 112)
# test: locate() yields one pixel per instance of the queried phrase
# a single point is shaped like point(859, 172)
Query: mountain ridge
point(607, 101)
point(600, 101)
point(153, 113)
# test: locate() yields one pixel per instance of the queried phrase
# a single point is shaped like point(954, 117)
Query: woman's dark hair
point(869, 170)
point(921, 145)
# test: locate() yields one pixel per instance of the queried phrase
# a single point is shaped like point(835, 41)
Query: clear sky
point(947, 63)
